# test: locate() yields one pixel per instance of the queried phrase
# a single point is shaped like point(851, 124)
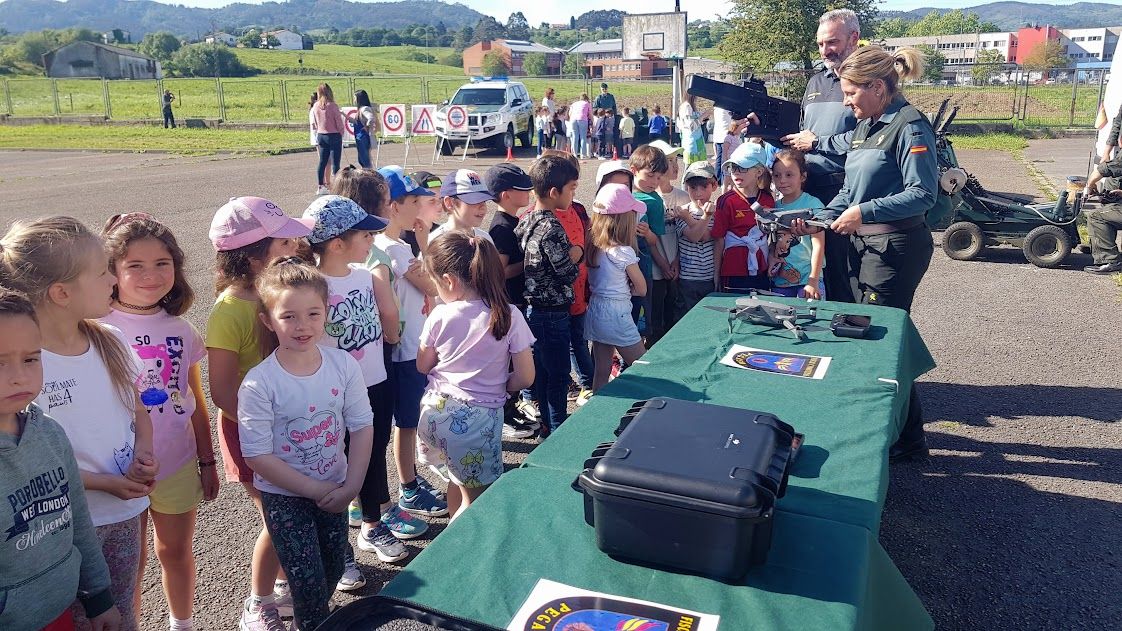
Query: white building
point(957, 49)
point(221, 38)
point(1004, 43)
point(1089, 44)
point(289, 40)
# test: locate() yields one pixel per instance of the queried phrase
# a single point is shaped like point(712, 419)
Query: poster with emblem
point(776, 362)
point(553, 606)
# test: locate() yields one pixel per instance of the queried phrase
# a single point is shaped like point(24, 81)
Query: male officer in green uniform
point(827, 128)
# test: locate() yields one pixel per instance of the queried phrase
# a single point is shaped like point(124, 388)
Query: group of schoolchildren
point(362, 324)
point(603, 131)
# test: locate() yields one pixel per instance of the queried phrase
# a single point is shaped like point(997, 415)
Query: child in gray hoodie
point(49, 552)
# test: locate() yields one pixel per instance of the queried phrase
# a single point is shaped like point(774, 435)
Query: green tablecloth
point(820, 574)
point(850, 417)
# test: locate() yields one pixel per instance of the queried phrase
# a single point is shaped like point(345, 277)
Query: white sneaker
point(283, 600)
point(510, 431)
point(351, 580)
point(322, 190)
point(263, 618)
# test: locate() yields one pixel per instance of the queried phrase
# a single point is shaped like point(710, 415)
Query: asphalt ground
point(1010, 524)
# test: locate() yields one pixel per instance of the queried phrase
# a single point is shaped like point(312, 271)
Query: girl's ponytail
point(487, 279)
point(475, 261)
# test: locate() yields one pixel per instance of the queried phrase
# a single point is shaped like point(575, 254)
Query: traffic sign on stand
point(393, 120)
point(350, 113)
point(457, 118)
point(423, 120)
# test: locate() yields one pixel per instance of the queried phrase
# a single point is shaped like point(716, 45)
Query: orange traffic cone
point(615, 153)
point(510, 154)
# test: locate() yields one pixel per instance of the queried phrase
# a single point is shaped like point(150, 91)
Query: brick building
point(604, 60)
point(514, 51)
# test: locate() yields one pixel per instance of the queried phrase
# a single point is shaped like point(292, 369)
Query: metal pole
point(1074, 94)
point(105, 98)
point(8, 98)
point(1102, 76)
point(284, 100)
point(54, 97)
point(221, 100)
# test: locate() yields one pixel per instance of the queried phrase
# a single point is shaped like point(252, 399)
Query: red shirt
point(575, 229)
point(734, 214)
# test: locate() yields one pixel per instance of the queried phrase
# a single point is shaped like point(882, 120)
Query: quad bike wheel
point(963, 241)
point(1046, 246)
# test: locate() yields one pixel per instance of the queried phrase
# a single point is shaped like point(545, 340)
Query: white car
point(498, 111)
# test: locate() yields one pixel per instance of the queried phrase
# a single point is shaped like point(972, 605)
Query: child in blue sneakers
point(411, 285)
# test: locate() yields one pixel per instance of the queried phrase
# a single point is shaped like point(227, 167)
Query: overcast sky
point(538, 12)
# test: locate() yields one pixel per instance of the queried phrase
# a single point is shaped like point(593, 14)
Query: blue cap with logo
point(400, 184)
point(467, 185)
point(746, 156)
point(334, 214)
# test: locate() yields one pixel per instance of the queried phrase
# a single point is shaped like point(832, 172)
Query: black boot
point(912, 443)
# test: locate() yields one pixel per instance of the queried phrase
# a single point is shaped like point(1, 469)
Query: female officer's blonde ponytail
point(869, 63)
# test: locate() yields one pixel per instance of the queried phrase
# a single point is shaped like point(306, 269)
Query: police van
point(497, 110)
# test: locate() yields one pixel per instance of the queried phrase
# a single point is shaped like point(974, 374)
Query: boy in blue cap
point(412, 285)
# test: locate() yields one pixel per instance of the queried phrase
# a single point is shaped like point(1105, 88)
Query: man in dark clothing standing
point(606, 101)
point(1104, 224)
point(169, 118)
point(827, 128)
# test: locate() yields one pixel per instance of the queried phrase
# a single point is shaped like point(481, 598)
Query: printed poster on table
point(554, 606)
point(776, 362)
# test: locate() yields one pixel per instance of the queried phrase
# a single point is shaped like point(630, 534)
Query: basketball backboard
point(654, 35)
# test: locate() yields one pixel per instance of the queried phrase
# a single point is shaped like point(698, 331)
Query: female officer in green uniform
point(891, 181)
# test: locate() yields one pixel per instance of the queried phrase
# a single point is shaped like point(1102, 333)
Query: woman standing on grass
point(365, 128)
point(312, 133)
point(328, 123)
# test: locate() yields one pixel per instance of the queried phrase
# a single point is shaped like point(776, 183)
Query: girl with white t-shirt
point(467, 344)
point(151, 297)
point(613, 278)
point(89, 376)
point(294, 409)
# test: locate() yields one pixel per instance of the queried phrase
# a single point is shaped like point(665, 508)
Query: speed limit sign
point(457, 118)
point(393, 120)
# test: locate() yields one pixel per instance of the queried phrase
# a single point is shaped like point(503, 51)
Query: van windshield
point(479, 96)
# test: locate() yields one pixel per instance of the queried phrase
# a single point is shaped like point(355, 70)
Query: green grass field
point(140, 139)
point(334, 58)
point(389, 78)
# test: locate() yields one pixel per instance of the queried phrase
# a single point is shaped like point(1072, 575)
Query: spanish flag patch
point(918, 149)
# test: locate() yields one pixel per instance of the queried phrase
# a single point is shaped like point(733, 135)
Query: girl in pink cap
point(248, 233)
point(613, 277)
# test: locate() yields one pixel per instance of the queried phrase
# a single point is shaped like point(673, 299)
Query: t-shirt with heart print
point(301, 419)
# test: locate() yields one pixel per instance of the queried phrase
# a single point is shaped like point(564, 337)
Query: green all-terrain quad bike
point(1045, 232)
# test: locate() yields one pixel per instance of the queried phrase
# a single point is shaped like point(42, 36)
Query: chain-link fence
point(1060, 97)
